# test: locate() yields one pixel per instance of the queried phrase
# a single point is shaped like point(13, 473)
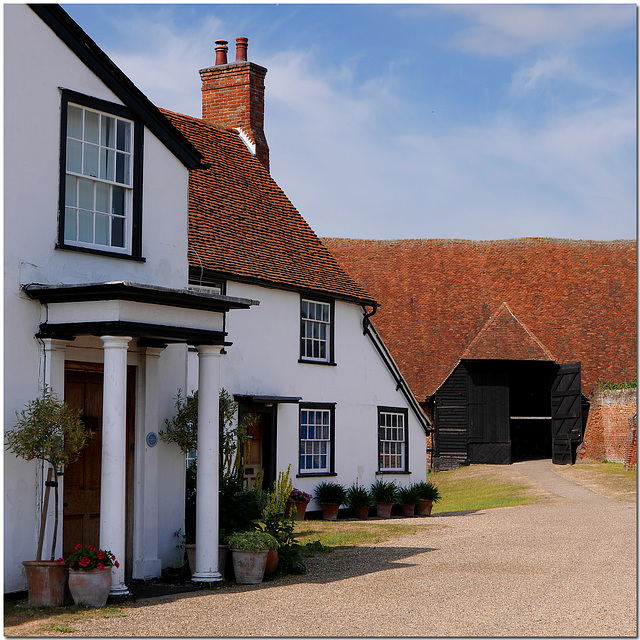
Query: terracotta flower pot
point(272, 562)
point(47, 583)
point(301, 509)
point(249, 566)
point(330, 511)
point(383, 509)
point(423, 508)
point(408, 510)
point(90, 587)
point(362, 513)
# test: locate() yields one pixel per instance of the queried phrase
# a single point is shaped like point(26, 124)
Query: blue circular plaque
point(152, 439)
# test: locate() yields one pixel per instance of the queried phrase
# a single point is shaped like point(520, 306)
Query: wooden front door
point(253, 450)
point(81, 512)
point(566, 412)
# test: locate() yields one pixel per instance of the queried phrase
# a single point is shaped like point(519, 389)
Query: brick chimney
point(233, 96)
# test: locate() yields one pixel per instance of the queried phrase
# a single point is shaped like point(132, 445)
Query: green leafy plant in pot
point(249, 551)
point(428, 495)
point(330, 495)
point(408, 498)
point(384, 494)
point(359, 498)
point(49, 430)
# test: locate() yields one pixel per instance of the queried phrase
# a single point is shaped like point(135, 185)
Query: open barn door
point(566, 412)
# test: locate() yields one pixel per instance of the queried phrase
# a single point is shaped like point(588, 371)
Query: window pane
point(91, 126)
point(86, 194)
point(102, 197)
point(122, 168)
point(117, 205)
point(108, 137)
point(102, 229)
point(74, 122)
point(70, 225)
point(74, 156)
point(90, 167)
point(107, 164)
point(70, 195)
point(85, 227)
point(117, 232)
point(124, 136)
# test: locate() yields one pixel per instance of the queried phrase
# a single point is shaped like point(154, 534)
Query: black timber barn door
point(451, 419)
point(566, 412)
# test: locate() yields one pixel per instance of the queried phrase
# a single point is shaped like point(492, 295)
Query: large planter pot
point(408, 510)
point(249, 566)
point(301, 508)
point(362, 513)
point(47, 583)
point(90, 587)
point(383, 509)
point(330, 511)
point(223, 552)
point(272, 562)
point(423, 508)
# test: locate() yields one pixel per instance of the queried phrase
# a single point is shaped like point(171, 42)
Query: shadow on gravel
point(447, 514)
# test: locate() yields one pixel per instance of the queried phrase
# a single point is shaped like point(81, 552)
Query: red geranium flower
point(78, 547)
point(117, 564)
point(100, 565)
point(100, 555)
point(60, 560)
point(91, 548)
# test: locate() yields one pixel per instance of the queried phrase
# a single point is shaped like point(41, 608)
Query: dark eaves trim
point(270, 284)
point(97, 60)
point(401, 384)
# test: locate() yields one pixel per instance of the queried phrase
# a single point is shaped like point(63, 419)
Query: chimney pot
point(241, 49)
point(221, 52)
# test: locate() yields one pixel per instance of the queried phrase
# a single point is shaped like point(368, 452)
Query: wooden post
point(43, 515)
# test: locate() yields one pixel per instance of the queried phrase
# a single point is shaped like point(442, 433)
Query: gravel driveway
point(563, 568)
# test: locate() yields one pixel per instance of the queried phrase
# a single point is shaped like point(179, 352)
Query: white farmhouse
point(147, 252)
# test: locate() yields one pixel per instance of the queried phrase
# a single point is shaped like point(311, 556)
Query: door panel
point(566, 412)
point(81, 512)
point(253, 449)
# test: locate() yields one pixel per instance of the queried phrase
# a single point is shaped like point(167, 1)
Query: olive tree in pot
point(48, 430)
point(330, 495)
point(359, 499)
point(428, 495)
point(384, 494)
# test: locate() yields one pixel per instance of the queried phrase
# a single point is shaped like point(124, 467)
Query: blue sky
point(419, 120)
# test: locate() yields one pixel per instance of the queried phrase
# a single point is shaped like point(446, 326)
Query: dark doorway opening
point(259, 452)
point(530, 410)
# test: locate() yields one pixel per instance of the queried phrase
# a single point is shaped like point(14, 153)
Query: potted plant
point(408, 498)
point(330, 495)
point(428, 494)
point(49, 430)
point(299, 499)
point(89, 574)
point(249, 551)
point(360, 499)
point(384, 495)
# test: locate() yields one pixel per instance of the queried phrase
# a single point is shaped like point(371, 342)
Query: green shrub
point(330, 493)
point(408, 495)
point(427, 491)
point(383, 491)
point(252, 541)
point(358, 496)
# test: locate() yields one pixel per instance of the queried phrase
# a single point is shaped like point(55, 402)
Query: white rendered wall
point(37, 65)
point(264, 361)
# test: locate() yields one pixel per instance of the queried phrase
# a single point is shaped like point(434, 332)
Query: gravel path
point(563, 568)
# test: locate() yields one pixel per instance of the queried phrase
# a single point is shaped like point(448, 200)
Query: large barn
point(502, 341)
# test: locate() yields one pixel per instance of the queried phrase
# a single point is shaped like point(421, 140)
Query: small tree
point(48, 429)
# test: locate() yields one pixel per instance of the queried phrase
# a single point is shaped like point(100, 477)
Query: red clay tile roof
point(573, 299)
point(242, 226)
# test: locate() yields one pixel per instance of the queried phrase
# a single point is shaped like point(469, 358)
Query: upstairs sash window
point(100, 204)
point(316, 331)
point(392, 439)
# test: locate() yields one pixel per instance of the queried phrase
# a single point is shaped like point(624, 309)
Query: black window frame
point(332, 322)
point(118, 110)
point(405, 412)
point(321, 406)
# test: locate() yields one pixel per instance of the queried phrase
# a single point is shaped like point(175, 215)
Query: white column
point(114, 454)
point(208, 452)
point(145, 521)
point(54, 356)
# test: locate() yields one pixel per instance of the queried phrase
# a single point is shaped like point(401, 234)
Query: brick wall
point(610, 431)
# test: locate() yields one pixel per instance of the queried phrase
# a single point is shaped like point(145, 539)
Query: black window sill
point(316, 475)
point(393, 473)
point(326, 364)
point(100, 252)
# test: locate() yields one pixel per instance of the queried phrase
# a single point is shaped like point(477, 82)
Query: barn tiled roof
point(573, 299)
point(242, 226)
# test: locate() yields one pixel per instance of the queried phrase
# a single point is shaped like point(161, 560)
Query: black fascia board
point(61, 23)
point(134, 292)
point(306, 291)
point(267, 399)
point(156, 332)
